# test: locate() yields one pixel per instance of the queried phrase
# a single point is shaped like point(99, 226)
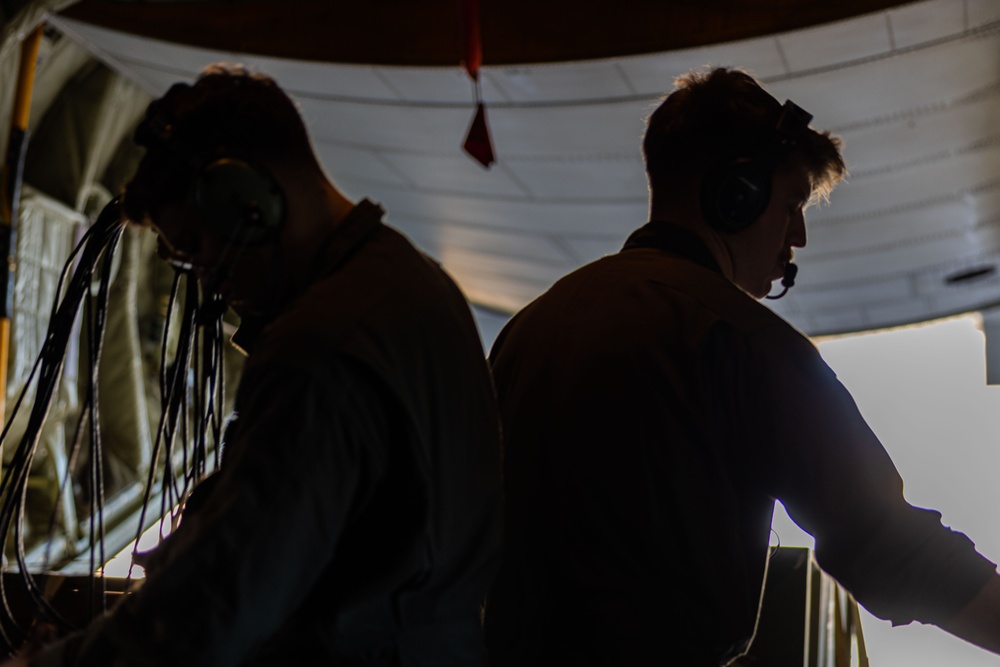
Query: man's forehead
point(158, 180)
point(795, 183)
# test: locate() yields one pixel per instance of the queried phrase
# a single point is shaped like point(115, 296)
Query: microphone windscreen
point(791, 270)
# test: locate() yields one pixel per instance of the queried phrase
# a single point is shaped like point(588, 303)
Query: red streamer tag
point(478, 143)
point(469, 10)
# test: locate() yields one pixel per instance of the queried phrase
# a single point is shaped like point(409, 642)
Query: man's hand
point(979, 622)
point(41, 634)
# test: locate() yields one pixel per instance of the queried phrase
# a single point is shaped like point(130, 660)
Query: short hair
point(228, 110)
point(715, 116)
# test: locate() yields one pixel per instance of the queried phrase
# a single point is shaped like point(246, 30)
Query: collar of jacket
point(358, 226)
point(672, 238)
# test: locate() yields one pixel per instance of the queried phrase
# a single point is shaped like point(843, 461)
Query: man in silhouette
point(654, 410)
point(356, 515)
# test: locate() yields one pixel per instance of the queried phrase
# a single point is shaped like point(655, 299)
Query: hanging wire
point(96, 247)
point(192, 392)
point(190, 425)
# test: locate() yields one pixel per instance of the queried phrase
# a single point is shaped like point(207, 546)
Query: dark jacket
point(652, 414)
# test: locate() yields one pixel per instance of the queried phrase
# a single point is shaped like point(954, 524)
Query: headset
point(735, 194)
point(239, 199)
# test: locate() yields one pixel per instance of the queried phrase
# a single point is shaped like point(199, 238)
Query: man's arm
point(230, 575)
point(839, 484)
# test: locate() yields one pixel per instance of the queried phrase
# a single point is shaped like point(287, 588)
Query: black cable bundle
point(93, 254)
point(192, 388)
point(187, 437)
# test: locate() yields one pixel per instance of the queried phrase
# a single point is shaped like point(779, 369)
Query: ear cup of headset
point(239, 201)
point(736, 194)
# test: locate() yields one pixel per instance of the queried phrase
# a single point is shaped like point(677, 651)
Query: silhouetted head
point(727, 160)
point(228, 112)
point(715, 117)
point(232, 186)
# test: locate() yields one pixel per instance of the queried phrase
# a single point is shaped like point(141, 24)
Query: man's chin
point(241, 308)
point(755, 292)
point(251, 310)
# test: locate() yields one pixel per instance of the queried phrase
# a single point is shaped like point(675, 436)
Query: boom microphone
point(787, 281)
